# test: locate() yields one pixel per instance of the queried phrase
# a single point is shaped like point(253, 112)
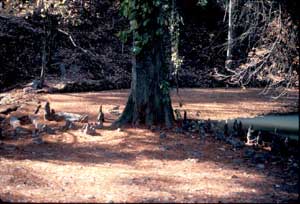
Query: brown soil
point(135, 165)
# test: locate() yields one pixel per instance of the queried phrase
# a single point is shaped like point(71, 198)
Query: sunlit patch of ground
point(134, 165)
point(216, 104)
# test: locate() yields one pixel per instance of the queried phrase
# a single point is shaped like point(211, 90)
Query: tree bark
point(148, 103)
point(228, 64)
point(50, 24)
point(44, 63)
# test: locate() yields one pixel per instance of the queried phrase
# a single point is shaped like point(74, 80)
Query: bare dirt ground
point(135, 165)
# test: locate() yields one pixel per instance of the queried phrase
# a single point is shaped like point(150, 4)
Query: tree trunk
point(44, 63)
point(148, 102)
point(50, 24)
point(39, 5)
point(228, 64)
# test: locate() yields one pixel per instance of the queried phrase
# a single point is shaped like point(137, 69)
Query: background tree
point(228, 63)
point(50, 23)
point(266, 46)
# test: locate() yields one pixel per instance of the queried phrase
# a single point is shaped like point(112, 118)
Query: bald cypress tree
point(149, 100)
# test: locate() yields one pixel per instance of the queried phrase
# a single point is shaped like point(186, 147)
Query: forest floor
point(135, 164)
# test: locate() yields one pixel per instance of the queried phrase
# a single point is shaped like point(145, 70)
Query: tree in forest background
point(230, 8)
point(270, 40)
point(42, 12)
point(48, 19)
point(50, 23)
point(54, 14)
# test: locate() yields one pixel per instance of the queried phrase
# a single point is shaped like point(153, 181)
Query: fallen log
point(73, 117)
point(15, 123)
point(69, 125)
point(40, 127)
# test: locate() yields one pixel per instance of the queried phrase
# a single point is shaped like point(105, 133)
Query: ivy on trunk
point(149, 101)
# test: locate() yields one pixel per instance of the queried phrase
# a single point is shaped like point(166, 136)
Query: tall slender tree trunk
point(38, 9)
point(50, 24)
point(148, 103)
point(44, 62)
point(39, 5)
point(228, 63)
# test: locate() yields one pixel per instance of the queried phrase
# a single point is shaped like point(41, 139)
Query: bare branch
point(74, 44)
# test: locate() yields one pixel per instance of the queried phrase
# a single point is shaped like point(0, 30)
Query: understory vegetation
point(83, 43)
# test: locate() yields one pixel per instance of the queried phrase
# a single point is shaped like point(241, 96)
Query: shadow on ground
point(137, 164)
point(156, 161)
